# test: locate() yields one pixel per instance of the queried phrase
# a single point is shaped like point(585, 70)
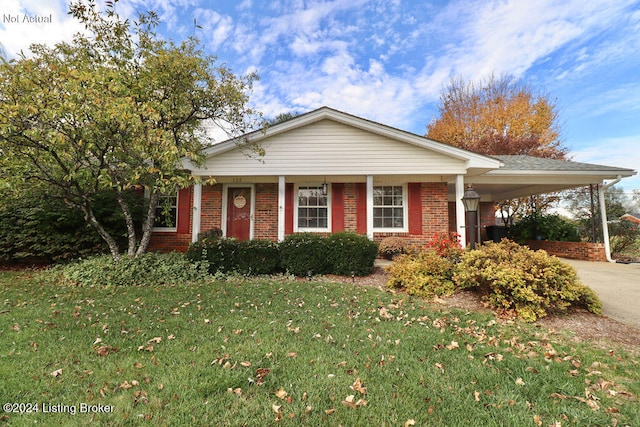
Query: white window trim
point(405, 209)
point(296, 228)
point(168, 229)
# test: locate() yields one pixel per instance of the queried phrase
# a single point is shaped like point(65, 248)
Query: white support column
point(281, 208)
point(460, 212)
point(370, 207)
point(197, 212)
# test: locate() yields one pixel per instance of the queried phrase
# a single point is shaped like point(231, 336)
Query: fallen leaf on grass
point(261, 373)
point(105, 350)
point(537, 420)
point(476, 396)
point(383, 313)
point(454, 345)
point(519, 381)
point(357, 386)
point(281, 394)
point(56, 373)
point(330, 411)
point(351, 402)
point(409, 423)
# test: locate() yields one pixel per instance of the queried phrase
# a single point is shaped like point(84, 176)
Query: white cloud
point(18, 36)
point(621, 152)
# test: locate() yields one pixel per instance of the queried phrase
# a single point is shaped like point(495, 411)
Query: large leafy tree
point(499, 115)
point(116, 108)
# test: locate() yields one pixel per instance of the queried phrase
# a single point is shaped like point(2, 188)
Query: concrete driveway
point(617, 285)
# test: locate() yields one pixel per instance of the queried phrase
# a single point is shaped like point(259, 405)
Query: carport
point(522, 176)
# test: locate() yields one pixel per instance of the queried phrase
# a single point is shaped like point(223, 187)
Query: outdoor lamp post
point(470, 200)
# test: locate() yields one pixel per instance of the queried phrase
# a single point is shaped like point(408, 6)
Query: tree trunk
point(147, 226)
point(111, 242)
point(131, 229)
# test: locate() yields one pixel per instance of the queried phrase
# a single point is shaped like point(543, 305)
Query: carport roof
point(522, 175)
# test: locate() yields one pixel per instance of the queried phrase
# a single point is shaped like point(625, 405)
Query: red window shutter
point(337, 207)
point(415, 208)
point(361, 204)
point(184, 210)
point(288, 208)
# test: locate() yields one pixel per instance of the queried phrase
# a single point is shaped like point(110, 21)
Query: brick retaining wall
point(574, 250)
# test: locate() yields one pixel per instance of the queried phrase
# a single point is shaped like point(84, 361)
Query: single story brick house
point(328, 171)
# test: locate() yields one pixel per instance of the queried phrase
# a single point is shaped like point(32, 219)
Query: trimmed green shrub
point(147, 269)
point(351, 253)
point(258, 257)
point(230, 255)
point(304, 252)
point(531, 283)
point(340, 253)
point(221, 255)
point(546, 227)
point(425, 274)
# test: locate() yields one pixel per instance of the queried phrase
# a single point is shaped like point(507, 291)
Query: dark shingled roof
point(522, 162)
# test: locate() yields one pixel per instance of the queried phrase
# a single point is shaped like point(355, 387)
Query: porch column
point(281, 211)
point(460, 212)
point(197, 212)
point(370, 207)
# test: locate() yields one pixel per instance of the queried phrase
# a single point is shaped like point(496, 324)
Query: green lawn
point(280, 352)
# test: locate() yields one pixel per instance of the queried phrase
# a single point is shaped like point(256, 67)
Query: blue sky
point(388, 60)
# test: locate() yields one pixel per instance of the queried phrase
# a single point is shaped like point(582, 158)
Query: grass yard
point(281, 352)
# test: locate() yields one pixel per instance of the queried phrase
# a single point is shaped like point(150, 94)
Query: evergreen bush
point(351, 253)
point(530, 283)
point(425, 274)
point(546, 227)
point(41, 228)
point(301, 253)
point(258, 257)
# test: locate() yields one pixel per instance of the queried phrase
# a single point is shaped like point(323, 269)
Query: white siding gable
point(327, 147)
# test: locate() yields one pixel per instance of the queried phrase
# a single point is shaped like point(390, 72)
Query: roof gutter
point(603, 214)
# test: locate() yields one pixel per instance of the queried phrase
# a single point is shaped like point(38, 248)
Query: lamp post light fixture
point(471, 200)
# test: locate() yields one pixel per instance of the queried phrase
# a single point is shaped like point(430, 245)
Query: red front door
point(239, 212)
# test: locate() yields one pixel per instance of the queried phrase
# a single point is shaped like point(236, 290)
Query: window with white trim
point(313, 209)
point(390, 207)
point(166, 212)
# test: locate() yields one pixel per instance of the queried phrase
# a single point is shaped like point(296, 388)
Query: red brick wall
point(573, 250)
point(350, 207)
point(266, 212)
point(434, 211)
point(435, 215)
point(211, 207)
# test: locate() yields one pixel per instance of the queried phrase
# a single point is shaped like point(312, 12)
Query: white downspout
point(603, 214)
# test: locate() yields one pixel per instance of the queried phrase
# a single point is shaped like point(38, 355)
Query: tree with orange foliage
point(497, 115)
point(500, 116)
